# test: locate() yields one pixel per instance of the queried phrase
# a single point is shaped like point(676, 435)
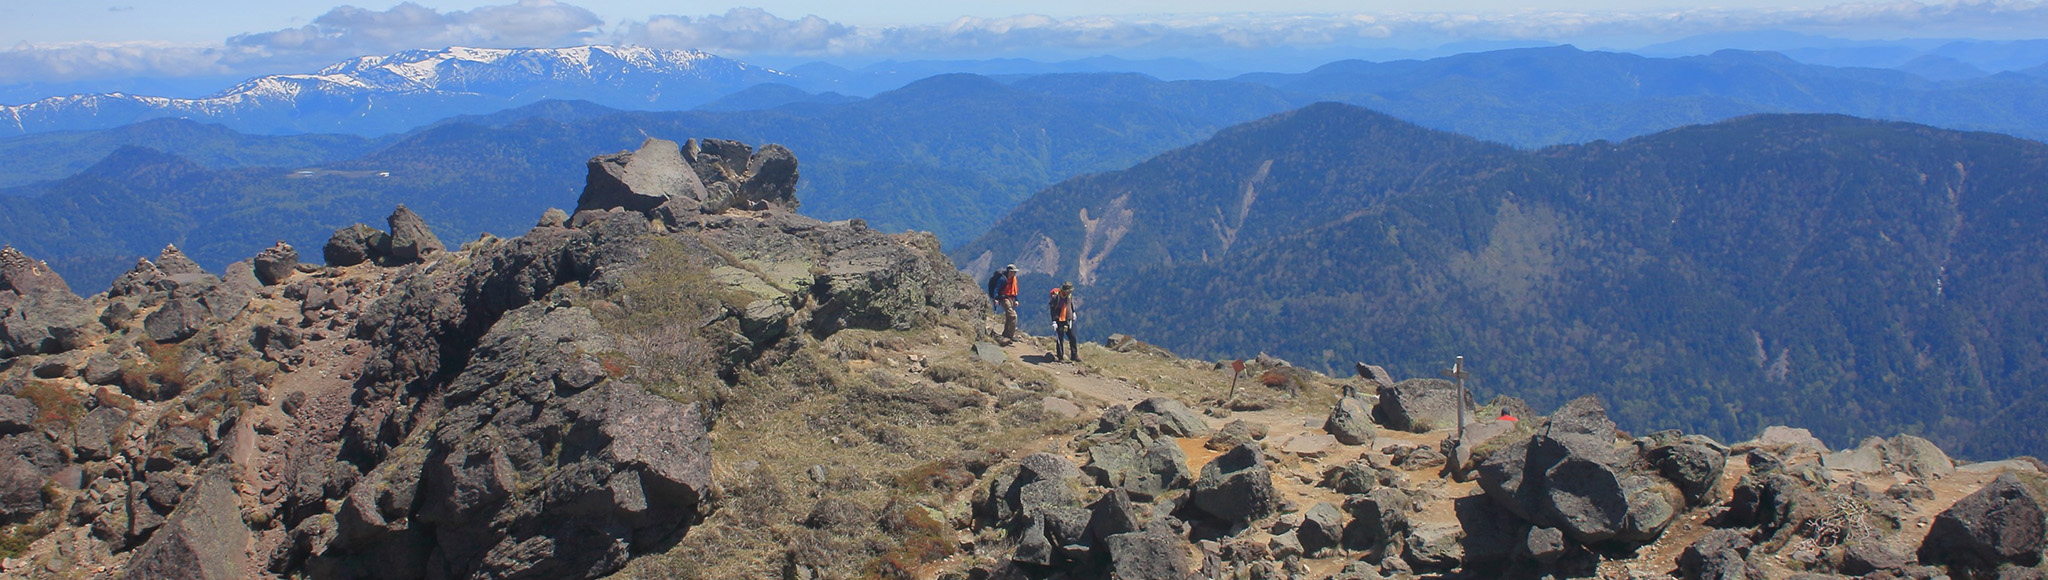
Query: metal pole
point(1458, 451)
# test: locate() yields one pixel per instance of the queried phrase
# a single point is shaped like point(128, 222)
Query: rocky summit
point(687, 379)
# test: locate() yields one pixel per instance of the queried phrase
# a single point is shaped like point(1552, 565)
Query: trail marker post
point(1236, 370)
point(1459, 453)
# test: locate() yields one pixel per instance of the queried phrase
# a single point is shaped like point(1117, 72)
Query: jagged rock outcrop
point(641, 180)
point(411, 240)
point(38, 312)
point(172, 262)
point(1571, 475)
point(276, 263)
point(204, 539)
point(669, 181)
point(353, 245)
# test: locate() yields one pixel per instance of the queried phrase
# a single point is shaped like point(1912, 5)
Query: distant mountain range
point(947, 154)
point(1527, 97)
point(374, 95)
point(1851, 276)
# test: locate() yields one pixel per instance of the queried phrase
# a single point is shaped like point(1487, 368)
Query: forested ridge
point(1850, 276)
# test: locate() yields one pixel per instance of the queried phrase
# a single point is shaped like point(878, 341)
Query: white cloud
point(97, 60)
point(349, 31)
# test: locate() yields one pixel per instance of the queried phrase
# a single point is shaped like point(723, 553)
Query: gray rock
point(172, 261)
point(102, 369)
point(138, 280)
point(1791, 439)
point(1309, 444)
point(1033, 547)
point(2004, 522)
point(1351, 478)
point(21, 489)
point(276, 263)
point(100, 433)
point(1917, 457)
point(1234, 434)
point(989, 353)
point(1113, 514)
point(1864, 557)
point(1237, 487)
point(1350, 422)
point(1143, 471)
point(1377, 517)
point(1865, 458)
point(1285, 545)
point(1375, 376)
point(1545, 545)
point(1570, 476)
point(1420, 405)
point(354, 245)
point(411, 240)
point(38, 312)
point(641, 180)
point(1720, 555)
point(1322, 526)
point(1435, 546)
point(17, 415)
point(179, 319)
point(771, 177)
point(203, 540)
point(1175, 418)
point(1149, 555)
point(1693, 466)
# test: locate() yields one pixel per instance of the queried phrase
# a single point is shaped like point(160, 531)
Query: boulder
point(1790, 439)
point(204, 539)
point(1694, 466)
point(276, 263)
point(1237, 487)
point(2004, 522)
point(21, 489)
point(641, 180)
point(1867, 457)
point(1420, 405)
point(100, 433)
point(1351, 478)
point(1374, 375)
point(139, 279)
point(411, 240)
point(1350, 422)
point(1917, 457)
point(354, 245)
point(1377, 517)
point(1720, 555)
point(1867, 556)
point(1434, 546)
point(1175, 418)
point(771, 177)
point(28, 276)
point(1322, 526)
point(989, 353)
point(1570, 476)
point(1143, 471)
point(1309, 444)
point(1234, 434)
point(17, 415)
point(1154, 554)
point(1113, 514)
point(554, 217)
point(1544, 545)
point(179, 319)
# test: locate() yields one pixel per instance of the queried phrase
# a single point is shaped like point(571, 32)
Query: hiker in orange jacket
point(1002, 288)
point(1063, 324)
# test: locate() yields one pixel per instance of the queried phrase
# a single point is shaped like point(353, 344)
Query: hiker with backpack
point(1062, 306)
point(1002, 289)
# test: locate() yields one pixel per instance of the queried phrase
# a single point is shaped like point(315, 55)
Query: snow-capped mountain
point(380, 94)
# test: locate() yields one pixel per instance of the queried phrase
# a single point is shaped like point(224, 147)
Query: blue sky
point(54, 42)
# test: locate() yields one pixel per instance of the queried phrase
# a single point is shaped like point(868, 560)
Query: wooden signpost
point(1459, 453)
